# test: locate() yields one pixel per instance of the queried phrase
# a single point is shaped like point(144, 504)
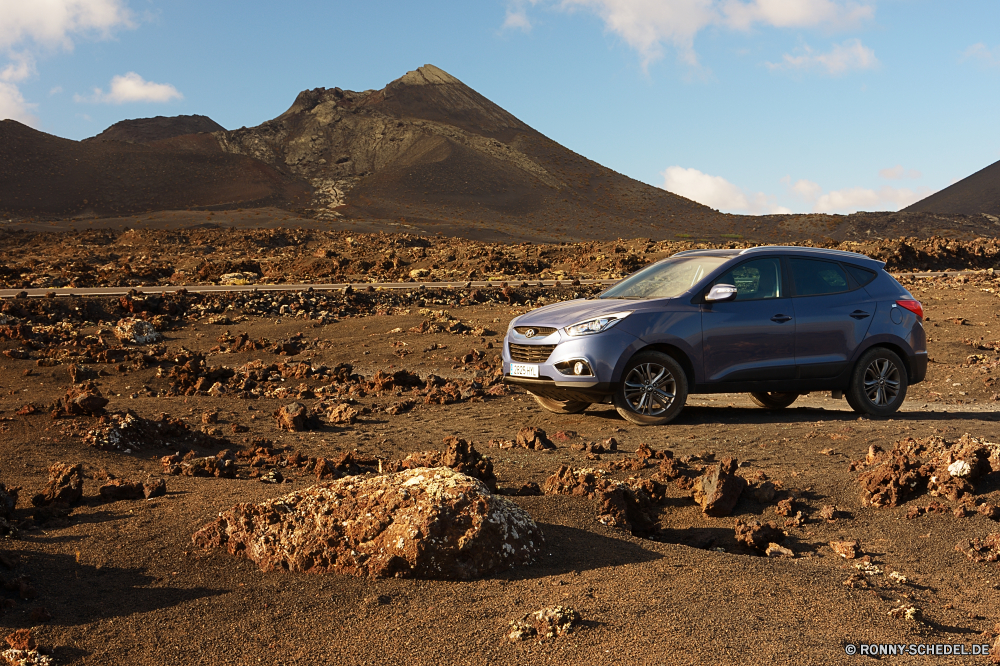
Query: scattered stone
point(401, 407)
point(987, 510)
point(83, 401)
point(127, 432)
point(460, 456)
point(154, 488)
point(342, 414)
point(757, 536)
point(136, 331)
point(858, 581)
point(121, 489)
point(828, 513)
point(293, 417)
point(65, 486)
point(271, 476)
point(765, 492)
point(419, 523)
point(907, 612)
point(784, 507)
point(626, 504)
point(221, 465)
point(777, 550)
point(981, 550)
point(544, 623)
point(534, 438)
point(209, 418)
point(846, 549)
point(718, 489)
point(529, 489)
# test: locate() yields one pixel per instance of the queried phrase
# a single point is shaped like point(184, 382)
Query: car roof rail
point(804, 250)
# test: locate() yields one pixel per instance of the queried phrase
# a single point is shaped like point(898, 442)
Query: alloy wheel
point(881, 382)
point(650, 389)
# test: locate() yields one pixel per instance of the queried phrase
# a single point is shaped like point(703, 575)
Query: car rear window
point(861, 275)
point(815, 277)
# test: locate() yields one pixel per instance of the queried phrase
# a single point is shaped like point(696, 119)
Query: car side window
point(815, 277)
point(755, 280)
point(861, 275)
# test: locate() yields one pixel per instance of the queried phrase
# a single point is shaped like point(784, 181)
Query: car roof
point(819, 252)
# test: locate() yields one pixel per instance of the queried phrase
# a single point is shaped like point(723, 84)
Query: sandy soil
point(124, 585)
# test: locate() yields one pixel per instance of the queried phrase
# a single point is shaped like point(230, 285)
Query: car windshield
point(665, 279)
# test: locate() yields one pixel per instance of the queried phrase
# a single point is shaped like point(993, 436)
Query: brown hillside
point(147, 130)
point(44, 175)
point(976, 194)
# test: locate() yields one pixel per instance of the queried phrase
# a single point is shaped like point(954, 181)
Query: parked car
point(777, 322)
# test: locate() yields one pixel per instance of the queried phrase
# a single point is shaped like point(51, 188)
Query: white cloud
point(51, 23)
point(56, 90)
point(517, 15)
point(14, 107)
point(853, 199)
point(898, 172)
point(648, 25)
point(132, 88)
point(982, 53)
point(717, 192)
point(29, 25)
point(852, 54)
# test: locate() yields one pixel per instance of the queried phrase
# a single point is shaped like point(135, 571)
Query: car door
point(751, 338)
point(832, 316)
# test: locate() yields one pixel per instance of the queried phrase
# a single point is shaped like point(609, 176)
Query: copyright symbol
point(850, 649)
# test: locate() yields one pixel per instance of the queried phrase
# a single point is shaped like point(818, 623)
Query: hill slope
point(147, 130)
point(45, 175)
point(978, 193)
point(429, 149)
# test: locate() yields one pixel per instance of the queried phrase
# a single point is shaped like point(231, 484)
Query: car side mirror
point(720, 293)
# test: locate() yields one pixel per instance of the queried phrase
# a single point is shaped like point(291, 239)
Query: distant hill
point(979, 193)
point(429, 149)
point(147, 130)
point(45, 175)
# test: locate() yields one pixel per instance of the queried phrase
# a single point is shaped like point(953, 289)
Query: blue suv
point(777, 322)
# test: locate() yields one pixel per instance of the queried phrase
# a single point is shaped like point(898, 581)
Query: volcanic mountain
point(976, 194)
point(428, 149)
point(148, 130)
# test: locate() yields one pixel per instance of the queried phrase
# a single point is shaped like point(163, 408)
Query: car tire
point(878, 383)
point(647, 378)
point(561, 406)
point(774, 399)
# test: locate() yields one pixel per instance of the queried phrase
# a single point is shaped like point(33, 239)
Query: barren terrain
point(121, 581)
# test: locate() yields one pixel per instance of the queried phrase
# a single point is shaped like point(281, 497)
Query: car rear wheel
point(878, 384)
point(774, 399)
point(561, 406)
point(653, 389)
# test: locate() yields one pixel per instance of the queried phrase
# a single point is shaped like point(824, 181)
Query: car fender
point(680, 329)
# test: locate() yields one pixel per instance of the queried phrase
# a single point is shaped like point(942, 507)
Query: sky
point(748, 106)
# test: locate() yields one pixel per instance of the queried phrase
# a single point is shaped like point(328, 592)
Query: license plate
point(524, 370)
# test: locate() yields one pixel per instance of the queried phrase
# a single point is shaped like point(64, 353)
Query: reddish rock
point(121, 489)
point(628, 505)
point(846, 549)
point(828, 513)
point(21, 640)
point(569, 481)
point(534, 438)
point(293, 417)
point(65, 486)
point(208, 418)
point(981, 550)
point(83, 401)
point(342, 414)
point(420, 523)
point(784, 508)
point(718, 489)
point(154, 488)
point(988, 510)
point(529, 489)
point(758, 536)
point(765, 492)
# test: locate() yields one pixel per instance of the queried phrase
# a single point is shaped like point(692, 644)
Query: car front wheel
point(653, 389)
point(878, 384)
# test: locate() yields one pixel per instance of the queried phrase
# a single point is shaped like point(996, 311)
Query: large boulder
point(719, 488)
point(419, 523)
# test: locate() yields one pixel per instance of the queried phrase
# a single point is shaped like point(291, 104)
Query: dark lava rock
point(718, 489)
point(65, 486)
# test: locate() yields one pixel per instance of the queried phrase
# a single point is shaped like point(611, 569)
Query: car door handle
point(780, 318)
point(860, 314)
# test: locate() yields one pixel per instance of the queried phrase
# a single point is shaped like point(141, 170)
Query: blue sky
point(750, 106)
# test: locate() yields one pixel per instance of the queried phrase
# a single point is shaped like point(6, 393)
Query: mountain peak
point(426, 76)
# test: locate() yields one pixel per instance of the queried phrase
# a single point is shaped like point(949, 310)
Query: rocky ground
point(733, 535)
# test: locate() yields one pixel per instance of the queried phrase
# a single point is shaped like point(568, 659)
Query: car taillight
point(912, 306)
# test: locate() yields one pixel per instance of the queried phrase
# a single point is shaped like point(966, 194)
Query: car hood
point(567, 313)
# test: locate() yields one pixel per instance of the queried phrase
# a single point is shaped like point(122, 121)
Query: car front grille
point(531, 353)
point(539, 331)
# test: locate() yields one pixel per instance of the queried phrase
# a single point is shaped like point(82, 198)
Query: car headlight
point(597, 325)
